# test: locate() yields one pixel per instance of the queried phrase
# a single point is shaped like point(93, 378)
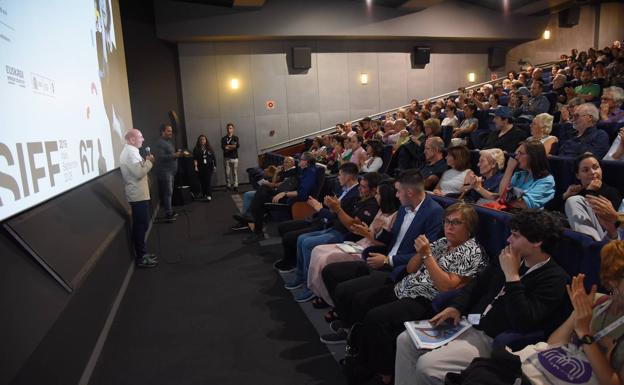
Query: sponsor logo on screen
point(42, 85)
point(15, 76)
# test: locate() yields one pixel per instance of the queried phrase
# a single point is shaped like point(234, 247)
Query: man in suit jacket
point(419, 214)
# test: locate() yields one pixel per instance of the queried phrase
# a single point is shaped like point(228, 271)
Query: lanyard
point(609, 328)
point(502, 290)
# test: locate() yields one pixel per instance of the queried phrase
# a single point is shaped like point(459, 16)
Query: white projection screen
point(64, 104)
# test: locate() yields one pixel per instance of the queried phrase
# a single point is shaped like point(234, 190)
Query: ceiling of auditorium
point(525, 7)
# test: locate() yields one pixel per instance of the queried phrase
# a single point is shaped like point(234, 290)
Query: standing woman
point(205, 164)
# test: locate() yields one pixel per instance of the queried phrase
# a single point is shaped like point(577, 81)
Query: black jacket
point(230, 154)
point(528, 305)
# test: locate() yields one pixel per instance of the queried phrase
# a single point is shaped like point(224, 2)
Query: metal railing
point(330, 130)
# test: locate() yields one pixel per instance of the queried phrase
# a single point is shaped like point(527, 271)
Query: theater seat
point(285, 211)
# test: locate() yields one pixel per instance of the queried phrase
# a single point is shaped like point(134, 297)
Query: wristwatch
point(586, 340)
point(424, 257)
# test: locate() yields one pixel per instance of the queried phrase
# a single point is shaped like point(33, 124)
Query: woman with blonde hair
point(541, 127)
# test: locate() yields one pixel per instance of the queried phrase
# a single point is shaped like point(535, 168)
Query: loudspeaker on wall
point(421, 56)
point(302, 58)
point(568, 18)
point(496, 57)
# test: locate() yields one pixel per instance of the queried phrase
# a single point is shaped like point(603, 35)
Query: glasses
point(453, 223)
point(577, 116)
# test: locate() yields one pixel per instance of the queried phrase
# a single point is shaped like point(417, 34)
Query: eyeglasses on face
point(453, 223)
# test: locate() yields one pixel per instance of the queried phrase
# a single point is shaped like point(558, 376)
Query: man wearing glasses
point(586, 137)
point(610, 108)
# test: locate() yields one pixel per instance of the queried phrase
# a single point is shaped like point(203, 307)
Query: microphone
point(147, 151)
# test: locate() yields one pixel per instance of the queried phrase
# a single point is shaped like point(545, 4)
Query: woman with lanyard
point(586, 348)
point(205, 163)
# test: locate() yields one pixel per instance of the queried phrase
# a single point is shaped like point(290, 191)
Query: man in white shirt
point(134, 171)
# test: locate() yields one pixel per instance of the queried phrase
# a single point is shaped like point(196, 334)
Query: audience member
point(541, 126)
point(506, 137)
point(519, 294)
point(457, 176)
point(364, 208)
point(532, 185)
point(444, 265)
point(611, 106)
point(469, 124)
point(373, 160)
point(536, 103)
point(435, 164)
point(324, 255)
point(617, 148)
point(587, 137)
point(580, 215)
point(484, 188)
point(587, 90)
point(450, 120)
point(357, 151)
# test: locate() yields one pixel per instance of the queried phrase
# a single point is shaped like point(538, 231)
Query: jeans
point(231, 172)
point(140, 223)
point(165, 186)
point(247, 198)
point(307, 242)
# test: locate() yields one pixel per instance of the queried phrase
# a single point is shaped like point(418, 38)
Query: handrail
point(332, 129)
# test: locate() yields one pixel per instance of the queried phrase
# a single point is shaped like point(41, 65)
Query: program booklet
point(350, 247)
point(426, 336)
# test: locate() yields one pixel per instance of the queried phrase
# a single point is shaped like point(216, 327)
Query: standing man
point(166, 168)
point(134, 171)
point(230, 144)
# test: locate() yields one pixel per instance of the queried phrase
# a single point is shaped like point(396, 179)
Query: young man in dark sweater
point(520, 295)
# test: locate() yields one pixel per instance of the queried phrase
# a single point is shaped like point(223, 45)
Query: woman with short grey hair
point(541, 127)
point(610, 107)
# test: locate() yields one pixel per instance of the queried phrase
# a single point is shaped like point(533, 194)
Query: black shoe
point(284, 266)
point(336, 326)
point(240, 227)
point(242, 218)
point(253, 238)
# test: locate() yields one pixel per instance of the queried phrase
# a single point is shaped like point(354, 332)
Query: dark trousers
point(384, 323)
point(355, 289)
point(290, 231)
point(205, 179)
point(263, 195)
point(165, 187)
point(140, 223)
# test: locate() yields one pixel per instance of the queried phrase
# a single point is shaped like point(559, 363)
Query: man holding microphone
point(134, 171)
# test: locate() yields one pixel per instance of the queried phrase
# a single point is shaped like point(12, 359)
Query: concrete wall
point(307, 101)
point(581, 36)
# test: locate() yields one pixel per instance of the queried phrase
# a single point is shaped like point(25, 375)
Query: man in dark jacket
point(166, 168)
point(230, 145)
point(520, 295)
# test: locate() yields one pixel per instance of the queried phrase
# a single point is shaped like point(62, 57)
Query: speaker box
point(302, 58)
point(568, 18)
point(421, 56)
point(496, 57)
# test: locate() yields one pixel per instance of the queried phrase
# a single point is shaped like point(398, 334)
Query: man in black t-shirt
point(435, 164)
point(230, 144)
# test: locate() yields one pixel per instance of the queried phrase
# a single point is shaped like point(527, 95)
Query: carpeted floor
point(213, 312)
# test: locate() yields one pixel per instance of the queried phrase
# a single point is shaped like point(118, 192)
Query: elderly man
point(536, 103)
point(611, 106)
point(134, 171)
point(558, 87)
point(586, 137)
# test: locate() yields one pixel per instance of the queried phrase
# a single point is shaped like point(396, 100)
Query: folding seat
point(612, 129)
point(447, 134)
point(612, 172)
point(552, 99)
point(386, 157)
point(562, 169)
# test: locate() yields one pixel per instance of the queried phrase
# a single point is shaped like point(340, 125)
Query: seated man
point(587, 137)
point(435, 164)
point(296, 187)
point(520, 295)
point(537, 103)
point(506, 137)
point(363, 209)
point(587, 90)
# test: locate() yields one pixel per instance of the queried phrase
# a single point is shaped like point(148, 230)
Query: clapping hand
point(583, 304)
point(316, 205)
point(332, 202)
point(572, 190)
point(422, 245)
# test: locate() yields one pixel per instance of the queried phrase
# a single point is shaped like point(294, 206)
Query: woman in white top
point(541, 126)
point(450, 120)
point(459, 173)
point(373, 161)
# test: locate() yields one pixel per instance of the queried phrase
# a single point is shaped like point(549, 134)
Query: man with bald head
point(134, 171)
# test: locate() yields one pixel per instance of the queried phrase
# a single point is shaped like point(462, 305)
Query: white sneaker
point(208, 198)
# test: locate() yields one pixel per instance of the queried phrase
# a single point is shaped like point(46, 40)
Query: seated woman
point(541, 126)
point(446, 264)
point(325, 254)
point(484, 188)
point(590, 333)
point(459, 173)
point(450, 119)
point(531, 185)
point(333, 158)
point(469, 124)
point(580, 215)
point(373, 161)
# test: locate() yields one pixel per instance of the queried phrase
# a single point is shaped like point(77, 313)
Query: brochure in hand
point(350, 247)
point(426, 336)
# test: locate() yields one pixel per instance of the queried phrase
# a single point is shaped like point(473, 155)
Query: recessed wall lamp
point(364, 79)
point(234, 84)
point(546, 34)
point(472, 77)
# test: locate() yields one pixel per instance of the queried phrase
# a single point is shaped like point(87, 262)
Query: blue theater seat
point(612, 173)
